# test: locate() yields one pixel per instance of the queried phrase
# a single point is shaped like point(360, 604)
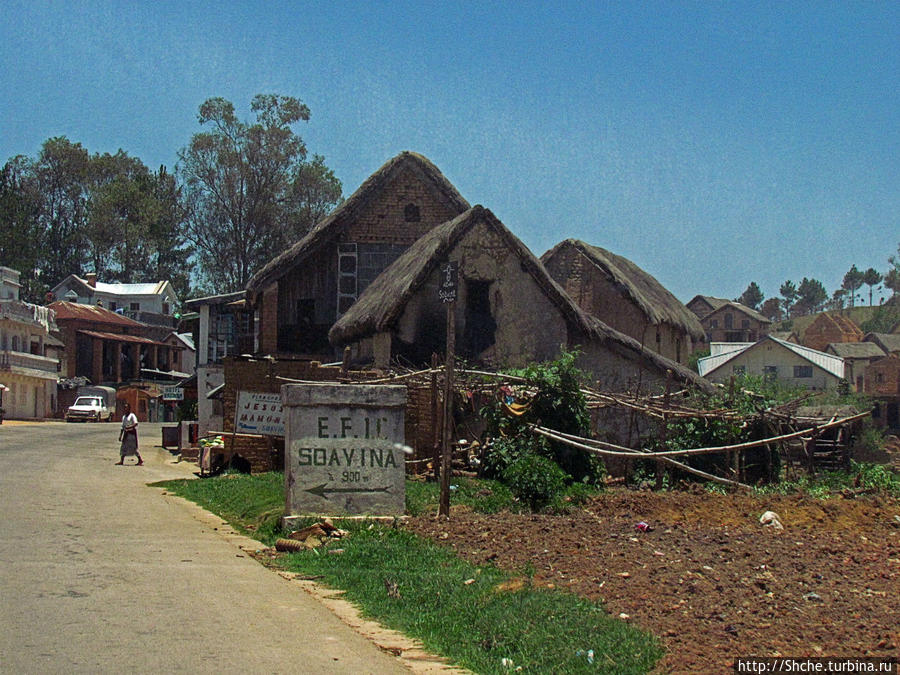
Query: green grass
point(875, 477)
point(253, 504)
point(477, 624)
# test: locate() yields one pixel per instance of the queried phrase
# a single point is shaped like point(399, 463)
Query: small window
point(879, 377)
point(135, 307)
point(729, 321)
point(715, 323)
point(411, 213)
point(802, 371)
point(770, 373)
point(745, 324)
point(113, 306)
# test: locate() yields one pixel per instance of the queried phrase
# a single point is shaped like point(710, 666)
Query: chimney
point(91, 278)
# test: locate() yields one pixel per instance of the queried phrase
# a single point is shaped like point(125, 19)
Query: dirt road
point(103, 574)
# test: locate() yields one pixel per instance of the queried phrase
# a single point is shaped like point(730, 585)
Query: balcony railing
point(25, 312)
point(11, 361)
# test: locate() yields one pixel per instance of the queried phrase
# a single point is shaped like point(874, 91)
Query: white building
point(28, 369)
point(152, 303)
point(224, 328)
point(773, 358)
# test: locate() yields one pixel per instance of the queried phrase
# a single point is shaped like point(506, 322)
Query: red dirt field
point(708, 579)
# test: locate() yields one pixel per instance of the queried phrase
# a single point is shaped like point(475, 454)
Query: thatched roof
point(381, 305)
point(856, 350)
point(645, 291)
point(330, 226)
point(890, 342)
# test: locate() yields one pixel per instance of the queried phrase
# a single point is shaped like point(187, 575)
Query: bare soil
point(708, 579)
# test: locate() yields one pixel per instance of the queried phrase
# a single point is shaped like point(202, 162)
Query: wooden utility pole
point(660, 465)
point(447, 294)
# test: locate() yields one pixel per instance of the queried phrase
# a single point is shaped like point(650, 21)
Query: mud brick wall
point(267, 453)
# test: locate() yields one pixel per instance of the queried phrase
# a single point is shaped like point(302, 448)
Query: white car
point(88, 409)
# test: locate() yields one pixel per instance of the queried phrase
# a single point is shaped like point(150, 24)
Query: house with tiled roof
point(152, 303)
point(728, 320)
point(108, 348)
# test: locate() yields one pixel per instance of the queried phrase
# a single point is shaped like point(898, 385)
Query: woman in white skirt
point(128, 437)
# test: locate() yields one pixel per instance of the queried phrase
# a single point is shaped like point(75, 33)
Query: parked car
point(88, 409)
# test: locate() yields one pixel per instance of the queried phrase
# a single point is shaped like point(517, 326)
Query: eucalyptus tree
point(892, 276)
point(789, 294)
point(249, 188)
point(811, 296)
point(871, 278)
point(752, 296)
point(61, 175)
point(20, 230)
point(852, 282)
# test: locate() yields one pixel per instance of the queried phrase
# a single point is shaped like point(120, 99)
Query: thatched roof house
point(509, 310)
point(302, 291)
point(831, 328)
point(625, 297)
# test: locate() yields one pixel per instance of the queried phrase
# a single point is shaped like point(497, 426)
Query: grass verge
point(482, 619)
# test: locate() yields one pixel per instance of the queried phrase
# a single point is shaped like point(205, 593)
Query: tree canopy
point(250, 189)
point(70, 212)
point(752, 296)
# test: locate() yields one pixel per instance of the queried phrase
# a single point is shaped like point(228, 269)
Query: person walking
point(128, 437)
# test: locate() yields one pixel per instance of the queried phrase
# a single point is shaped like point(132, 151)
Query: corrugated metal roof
point(717, 348)
point(154, 288)
point(827, 362)
point(710, 363)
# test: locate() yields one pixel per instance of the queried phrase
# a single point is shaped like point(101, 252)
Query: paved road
point(100, 573)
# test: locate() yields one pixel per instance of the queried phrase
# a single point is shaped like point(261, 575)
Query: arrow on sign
point(322, 490)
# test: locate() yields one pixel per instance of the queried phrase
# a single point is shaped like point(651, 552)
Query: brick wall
point(267, 453)
point(882, 378)
point(827, 329)
point(386, 220)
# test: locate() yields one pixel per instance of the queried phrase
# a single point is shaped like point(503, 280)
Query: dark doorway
point(893, 419)
point(305, 336)
point(480, 326)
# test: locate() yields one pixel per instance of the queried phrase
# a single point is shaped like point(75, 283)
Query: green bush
point(558, 403)
point(535, 480)
point(498, 455)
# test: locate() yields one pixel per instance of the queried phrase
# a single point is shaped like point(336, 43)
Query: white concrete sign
point(344, 450)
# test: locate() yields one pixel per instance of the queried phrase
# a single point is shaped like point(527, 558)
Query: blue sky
point(712, 143)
